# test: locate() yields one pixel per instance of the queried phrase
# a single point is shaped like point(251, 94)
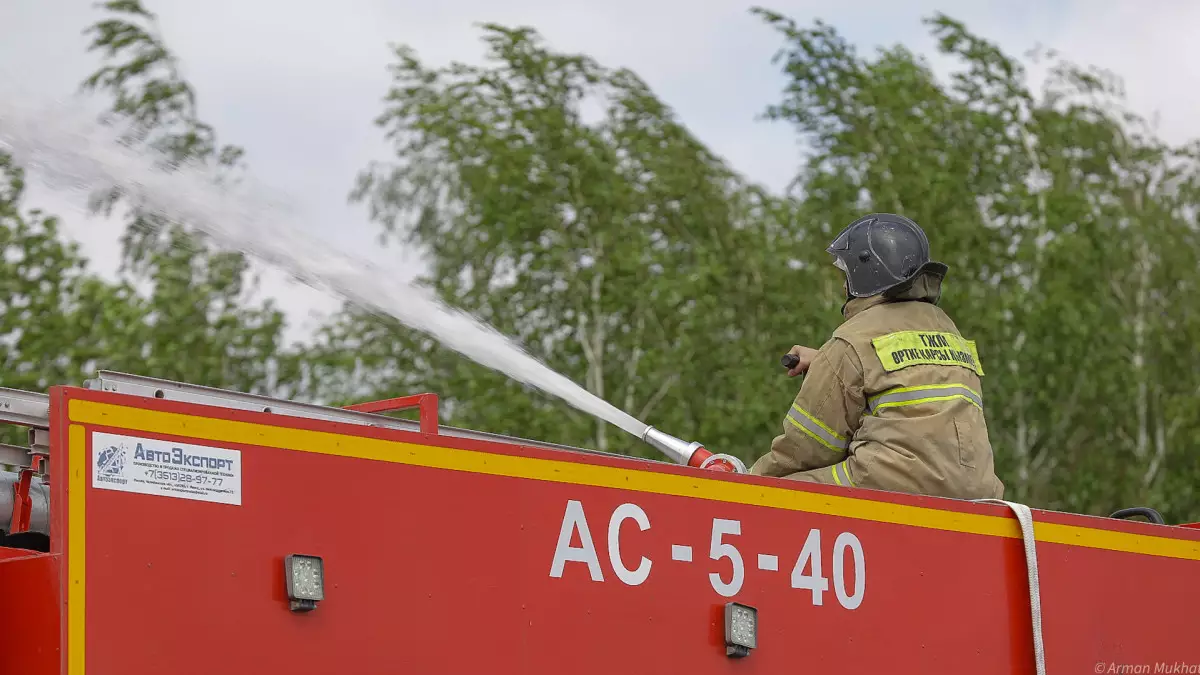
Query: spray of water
point(70, 152)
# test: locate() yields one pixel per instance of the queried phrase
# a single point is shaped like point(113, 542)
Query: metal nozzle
point(676, 448)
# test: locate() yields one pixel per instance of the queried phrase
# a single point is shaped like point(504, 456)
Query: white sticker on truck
point(166, 469)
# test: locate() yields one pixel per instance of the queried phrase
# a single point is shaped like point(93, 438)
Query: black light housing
point(741, 629)
point(305, 576)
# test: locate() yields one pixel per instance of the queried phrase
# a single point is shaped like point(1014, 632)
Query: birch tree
point(1058, 213)
point(200, 325)
point(563, 203)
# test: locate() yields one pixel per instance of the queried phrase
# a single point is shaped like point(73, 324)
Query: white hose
point(1025, 518)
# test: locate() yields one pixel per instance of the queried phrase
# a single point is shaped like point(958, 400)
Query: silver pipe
point(679, 450)
point(39, 494)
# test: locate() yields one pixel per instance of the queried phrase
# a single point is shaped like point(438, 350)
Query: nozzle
point(691, 454)
point(676, 448)
point(790, 361)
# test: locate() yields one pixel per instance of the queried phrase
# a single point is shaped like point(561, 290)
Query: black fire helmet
point(883, 253)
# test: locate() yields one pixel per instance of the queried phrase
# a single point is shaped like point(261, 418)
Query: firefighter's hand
point(804, 356)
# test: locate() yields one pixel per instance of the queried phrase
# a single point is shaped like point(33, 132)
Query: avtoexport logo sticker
point(110, 464)
point(181, 470)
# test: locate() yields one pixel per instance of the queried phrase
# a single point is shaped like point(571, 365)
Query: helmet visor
point(842, 241)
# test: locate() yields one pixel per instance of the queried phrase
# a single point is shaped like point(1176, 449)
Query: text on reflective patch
point(911, 348)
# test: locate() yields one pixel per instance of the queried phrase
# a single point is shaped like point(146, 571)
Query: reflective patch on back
point(929, 348)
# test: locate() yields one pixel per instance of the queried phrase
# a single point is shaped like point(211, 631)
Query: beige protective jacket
point(893, 402)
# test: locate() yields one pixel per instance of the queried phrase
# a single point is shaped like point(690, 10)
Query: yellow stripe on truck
point(76, 547)
point(636, 480)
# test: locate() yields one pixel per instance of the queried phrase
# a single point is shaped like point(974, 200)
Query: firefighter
point(892, 401)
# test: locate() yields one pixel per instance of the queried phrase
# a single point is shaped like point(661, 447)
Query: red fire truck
point(163, 528)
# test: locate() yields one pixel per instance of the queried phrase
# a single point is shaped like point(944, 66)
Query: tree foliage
point(56, 319)
point(1071, 233)
point(179, 310)
point(1069, 227)
point(565, 204)
point(201, 328)
point(58, 322)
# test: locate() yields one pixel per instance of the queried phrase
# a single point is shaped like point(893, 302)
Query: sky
point(298, 84)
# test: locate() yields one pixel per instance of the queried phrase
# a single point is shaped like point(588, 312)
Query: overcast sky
point(297, 84)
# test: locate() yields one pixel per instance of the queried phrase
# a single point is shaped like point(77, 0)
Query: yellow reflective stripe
point(818, 422)
point(931, 399)
point(920, 387)
point(844, 474)
point(915, 347)
point(813, 435)
point(818, 431)
point(923, 394)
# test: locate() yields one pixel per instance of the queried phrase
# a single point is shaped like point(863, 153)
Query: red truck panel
point(440, 557)
point(30, 606)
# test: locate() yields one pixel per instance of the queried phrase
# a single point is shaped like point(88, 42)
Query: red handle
point(720, 464)
point(427, 403)
point(22, 508)
point(698, 457)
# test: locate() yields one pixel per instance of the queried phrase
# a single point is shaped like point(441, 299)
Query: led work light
point(305, 575)
point(741, 629)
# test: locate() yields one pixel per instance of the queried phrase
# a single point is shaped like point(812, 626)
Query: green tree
point(201, 327)
point(1063, 236)
point(48, 296)
point(57, 321)
point(564, 203)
